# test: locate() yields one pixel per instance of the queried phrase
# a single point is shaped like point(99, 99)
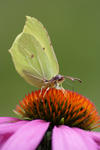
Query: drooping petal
point(90, 142)
point(8, 119)
point(11, 127)
point(95, 137)
point(27, 137)
point(8, 129)
point(64, 137)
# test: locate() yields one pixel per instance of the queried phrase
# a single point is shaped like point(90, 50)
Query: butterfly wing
point(33, 57)
point(35, 28)
point(30, 60)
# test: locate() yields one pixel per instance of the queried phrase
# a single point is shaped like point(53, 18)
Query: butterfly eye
point(60, 79)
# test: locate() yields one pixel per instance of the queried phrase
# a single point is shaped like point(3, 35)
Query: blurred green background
point(74, 28)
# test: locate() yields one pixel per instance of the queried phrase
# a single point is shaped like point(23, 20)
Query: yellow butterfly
point(34, 57)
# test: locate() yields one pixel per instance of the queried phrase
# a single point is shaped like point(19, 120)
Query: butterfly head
point(58, 79)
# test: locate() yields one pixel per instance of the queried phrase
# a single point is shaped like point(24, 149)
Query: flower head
point(60, 107)
point(55, 119)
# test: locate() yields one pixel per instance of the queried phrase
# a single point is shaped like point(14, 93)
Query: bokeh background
point(74, 28)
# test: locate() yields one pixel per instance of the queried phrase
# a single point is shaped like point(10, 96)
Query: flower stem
point(46, 142)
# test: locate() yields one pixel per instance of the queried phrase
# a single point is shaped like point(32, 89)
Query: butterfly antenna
point(73, 79)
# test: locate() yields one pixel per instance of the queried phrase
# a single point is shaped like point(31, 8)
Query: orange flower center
point(59, 106)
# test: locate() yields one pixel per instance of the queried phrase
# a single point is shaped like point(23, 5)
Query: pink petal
point(27, 137)
point(7, 129)
point(8, 119)
point(3, 139)
point(66, 138)
point(95, 136)
point(11, 127)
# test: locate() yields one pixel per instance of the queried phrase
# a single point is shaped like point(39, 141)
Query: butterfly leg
point(41, 90)
point(58, 87)
point(46, 91)
point(61, 87)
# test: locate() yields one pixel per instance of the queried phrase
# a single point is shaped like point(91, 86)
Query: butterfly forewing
point(35, 28)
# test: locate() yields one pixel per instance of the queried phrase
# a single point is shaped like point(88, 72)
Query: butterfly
point(34, 57)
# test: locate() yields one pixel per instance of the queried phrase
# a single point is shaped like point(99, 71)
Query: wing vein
point(28, 60)
point(41, 67)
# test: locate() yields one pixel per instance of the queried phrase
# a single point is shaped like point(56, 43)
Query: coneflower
point(56, 119)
